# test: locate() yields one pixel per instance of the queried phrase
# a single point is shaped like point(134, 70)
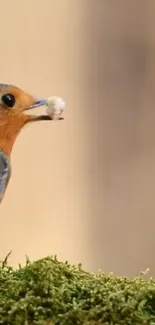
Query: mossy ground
point(56, 293)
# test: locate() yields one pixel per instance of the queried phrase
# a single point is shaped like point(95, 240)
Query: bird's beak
point(37, 103)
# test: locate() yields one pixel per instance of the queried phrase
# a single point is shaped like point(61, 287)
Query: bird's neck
point(10, 127)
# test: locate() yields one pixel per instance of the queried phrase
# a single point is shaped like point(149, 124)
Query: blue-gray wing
point(4, 173)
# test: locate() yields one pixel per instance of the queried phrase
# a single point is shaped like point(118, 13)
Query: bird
point(14, 104)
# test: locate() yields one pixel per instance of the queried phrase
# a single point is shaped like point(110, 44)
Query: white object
point(55, 107)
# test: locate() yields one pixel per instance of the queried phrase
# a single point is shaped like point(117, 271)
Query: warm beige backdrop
point(83, 188)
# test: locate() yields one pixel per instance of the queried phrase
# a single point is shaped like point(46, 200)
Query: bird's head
point(13, 104)
point(14, 101)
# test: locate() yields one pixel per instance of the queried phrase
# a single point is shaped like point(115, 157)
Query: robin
point(13, 104)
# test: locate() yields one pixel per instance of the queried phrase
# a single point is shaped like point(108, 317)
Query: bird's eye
point(8, 100)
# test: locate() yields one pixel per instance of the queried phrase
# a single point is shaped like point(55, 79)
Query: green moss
point(51, 292)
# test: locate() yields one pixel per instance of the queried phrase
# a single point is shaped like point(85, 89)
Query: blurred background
point(84, 188)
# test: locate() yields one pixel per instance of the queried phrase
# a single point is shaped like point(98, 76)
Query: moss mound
point(55, 293)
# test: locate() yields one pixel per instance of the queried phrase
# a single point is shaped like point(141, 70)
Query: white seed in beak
point(55, 107)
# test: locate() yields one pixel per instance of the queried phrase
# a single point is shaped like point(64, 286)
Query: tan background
point(83, 189)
